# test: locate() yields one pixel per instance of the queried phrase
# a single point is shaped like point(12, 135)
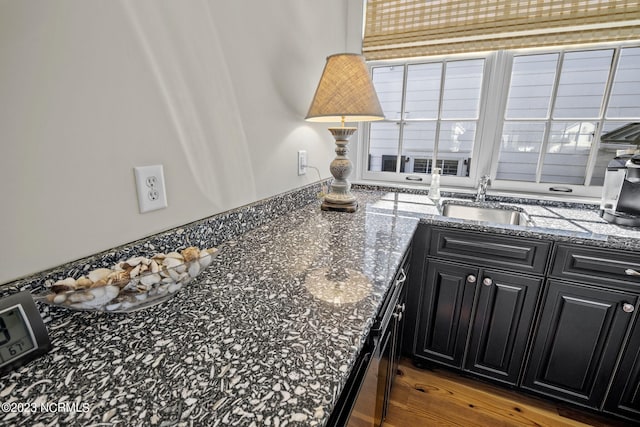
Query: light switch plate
point(150, 186)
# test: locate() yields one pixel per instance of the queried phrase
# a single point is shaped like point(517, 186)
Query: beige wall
point(216, 91)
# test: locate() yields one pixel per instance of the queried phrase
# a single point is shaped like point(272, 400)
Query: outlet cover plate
point(302, 162)
point(150, 187)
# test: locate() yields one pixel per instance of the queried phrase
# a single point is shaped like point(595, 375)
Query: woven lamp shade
point(345, 91)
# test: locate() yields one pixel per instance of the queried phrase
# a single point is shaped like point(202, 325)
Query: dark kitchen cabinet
point(579, 337)
point(552, 318)
point(624, 396)
point(488, 250)
point(394, 334)
point(445, 312)
point(503, 318)
point(398, 324)
point(477, 299)
point(492, 341)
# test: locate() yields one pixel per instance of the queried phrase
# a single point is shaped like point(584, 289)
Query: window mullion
point(494, 114)
point(402, 121)
point(549, 120)
point(436, 143)
point(593, 153)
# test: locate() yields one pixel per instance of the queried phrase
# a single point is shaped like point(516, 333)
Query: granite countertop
point(262, 337)
point(568, 222)
point(267, 335)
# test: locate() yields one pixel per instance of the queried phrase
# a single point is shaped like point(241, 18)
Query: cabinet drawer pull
point(628, 308)
point(631, 272)
point(487, 281)
point(471, 278)
point(403, 277)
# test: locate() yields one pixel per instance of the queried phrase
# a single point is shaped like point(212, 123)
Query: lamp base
point(339, 207)
point(340, 198)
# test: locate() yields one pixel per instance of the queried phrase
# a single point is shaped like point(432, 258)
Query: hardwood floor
point(441, 398)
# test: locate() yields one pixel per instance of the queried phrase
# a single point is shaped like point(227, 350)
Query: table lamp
point(345, 93)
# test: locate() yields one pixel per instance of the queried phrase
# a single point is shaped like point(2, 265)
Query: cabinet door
point(445, 310)
point(578, 339)
point(414, 287)
point(501, 325)
point(382, 398)
point(399, 324)
point(624, 396)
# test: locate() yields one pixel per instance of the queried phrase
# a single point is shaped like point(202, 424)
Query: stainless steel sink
point(487, 214)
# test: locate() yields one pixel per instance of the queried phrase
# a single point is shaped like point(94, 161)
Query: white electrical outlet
point(150, 185)
point(302, 162)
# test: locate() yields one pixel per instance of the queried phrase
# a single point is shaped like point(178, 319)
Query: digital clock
point(23, 336)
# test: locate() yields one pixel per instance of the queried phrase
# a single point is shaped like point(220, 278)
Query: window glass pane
point(606, 152)
point(453, 167)
point(462, 86)
point(625, 93)
point(519, 150)
point(388, 84)
point(532, 78)
point(604, 156)
point(567, 152)
point(455, 146)
point(383, 141)
point(421, 165)
point(418, 139)
point(423, 91)
point(582, 83)
point(549, 117)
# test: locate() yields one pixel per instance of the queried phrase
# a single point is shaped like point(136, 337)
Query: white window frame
point(491, 119)
point(405, 178)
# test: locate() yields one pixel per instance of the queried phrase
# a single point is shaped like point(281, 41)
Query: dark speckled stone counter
point(268, 334)
point(579, 224)
point(262, 337)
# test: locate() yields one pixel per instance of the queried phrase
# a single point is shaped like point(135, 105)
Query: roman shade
point(411, 28)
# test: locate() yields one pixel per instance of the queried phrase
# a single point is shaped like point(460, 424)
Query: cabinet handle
point(631, 272)
point(400, 308)
point(628, 308)
point(487, 281)
point(398, 316)
point(471, 278)
point(403, 277)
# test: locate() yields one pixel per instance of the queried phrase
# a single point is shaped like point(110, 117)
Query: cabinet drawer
point(490, 250)
point(597, 266)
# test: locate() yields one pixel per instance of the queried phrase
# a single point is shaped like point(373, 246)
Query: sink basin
point(487, 214)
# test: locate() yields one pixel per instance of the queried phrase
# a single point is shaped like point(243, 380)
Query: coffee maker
point(621, 192)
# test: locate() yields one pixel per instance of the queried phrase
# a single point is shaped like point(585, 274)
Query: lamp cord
point(324, 190)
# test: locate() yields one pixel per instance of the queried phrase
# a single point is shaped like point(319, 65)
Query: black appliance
point(365, 397)
point(621, 192)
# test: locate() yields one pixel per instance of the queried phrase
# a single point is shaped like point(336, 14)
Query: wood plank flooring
point(438, 397)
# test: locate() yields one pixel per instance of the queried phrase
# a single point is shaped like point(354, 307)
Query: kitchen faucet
point(485, 181)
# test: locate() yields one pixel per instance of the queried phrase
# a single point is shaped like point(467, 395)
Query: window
point(431, 112)
point(549, 138)
point(532, 120)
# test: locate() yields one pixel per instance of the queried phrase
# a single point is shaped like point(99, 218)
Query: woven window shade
point(410, 28)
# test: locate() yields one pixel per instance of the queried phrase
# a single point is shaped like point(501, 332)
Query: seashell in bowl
point(132, 284)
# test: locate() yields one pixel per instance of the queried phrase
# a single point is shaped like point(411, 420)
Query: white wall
point(216, 91)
